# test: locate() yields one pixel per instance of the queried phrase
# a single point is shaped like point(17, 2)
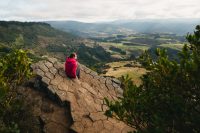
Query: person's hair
point(72, 55)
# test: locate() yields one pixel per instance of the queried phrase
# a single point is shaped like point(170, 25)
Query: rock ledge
point(84, 96)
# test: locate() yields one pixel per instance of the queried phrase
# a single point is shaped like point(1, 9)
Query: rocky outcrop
point(84, 97)
point(50, 117)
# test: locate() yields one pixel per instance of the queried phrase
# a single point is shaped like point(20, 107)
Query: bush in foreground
point(15, 116)
point(169, 98)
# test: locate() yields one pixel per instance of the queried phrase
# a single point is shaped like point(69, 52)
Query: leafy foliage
point(169, 98)
point(15, 69)
point(171, 52)
point(126, 81)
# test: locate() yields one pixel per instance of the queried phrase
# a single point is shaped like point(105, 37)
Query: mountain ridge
point(174, 26)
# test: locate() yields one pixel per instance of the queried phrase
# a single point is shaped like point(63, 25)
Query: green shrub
point(15, 69)
point(169, 98)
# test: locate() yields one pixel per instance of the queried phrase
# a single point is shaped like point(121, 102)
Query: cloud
point(97, 10)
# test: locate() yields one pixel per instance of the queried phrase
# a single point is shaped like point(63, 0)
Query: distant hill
point(89, 29)
point(41, 39)
point(174, 26)
point(33, 35)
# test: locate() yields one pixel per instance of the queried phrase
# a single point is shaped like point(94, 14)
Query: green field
point(177, 46)
point(124, 47)
point(130, 46)
point(117, 69)
point(136, 50)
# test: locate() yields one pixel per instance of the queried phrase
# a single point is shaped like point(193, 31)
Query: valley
point(126, 49)
point(115, 58)
point(105, 44)
point(131, 46)
point(99, 66)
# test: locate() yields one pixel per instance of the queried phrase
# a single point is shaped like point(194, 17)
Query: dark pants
point(78, 71)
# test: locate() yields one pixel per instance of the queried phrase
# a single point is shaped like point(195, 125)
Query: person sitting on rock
point(72, 69)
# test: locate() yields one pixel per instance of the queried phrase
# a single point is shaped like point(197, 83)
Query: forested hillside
point(42, 40)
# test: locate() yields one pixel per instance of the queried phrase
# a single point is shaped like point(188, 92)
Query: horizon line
point(100, 21)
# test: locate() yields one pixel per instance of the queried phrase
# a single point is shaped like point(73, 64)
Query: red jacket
point(70, 67)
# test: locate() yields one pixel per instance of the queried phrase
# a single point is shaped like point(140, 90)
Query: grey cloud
point(93, 10)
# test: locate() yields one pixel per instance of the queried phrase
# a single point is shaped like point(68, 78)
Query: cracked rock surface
point(84, 96)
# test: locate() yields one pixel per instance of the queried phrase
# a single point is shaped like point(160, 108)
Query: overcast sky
point(97, 10)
